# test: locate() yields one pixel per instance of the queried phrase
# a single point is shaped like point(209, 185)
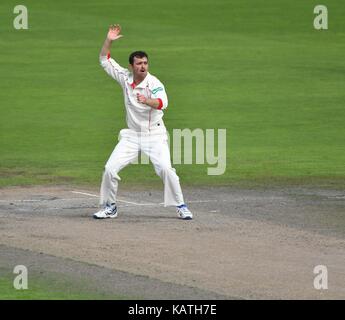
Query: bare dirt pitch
point(251, 244)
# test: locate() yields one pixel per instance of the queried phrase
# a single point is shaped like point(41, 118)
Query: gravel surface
point(250, 244)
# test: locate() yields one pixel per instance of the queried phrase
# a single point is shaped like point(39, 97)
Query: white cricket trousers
point(155, 146)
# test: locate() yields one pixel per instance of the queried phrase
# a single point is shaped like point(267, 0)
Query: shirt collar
point(142, 84)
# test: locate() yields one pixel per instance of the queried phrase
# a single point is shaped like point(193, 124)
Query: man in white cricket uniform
point(144, 98)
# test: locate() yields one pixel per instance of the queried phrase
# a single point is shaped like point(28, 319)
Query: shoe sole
point(109, 217)
point(185, 218)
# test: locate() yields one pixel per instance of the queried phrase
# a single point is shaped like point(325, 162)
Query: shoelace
point(184, 210)
point(110, 209)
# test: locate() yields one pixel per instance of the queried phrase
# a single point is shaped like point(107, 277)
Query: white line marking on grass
point(120, 200)
point(200, 201)
point(41, 200)
point(143, 204)
point(197, 201)
point(96, 196)
point(138, 204)
point(15, 200)
point(86, 194)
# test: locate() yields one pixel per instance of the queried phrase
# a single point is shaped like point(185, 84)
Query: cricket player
point(145, 99)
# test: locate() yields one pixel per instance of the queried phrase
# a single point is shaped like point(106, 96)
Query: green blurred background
point(256, 68)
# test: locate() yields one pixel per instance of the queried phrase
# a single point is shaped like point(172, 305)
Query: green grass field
point(257, 68)
point(50, 289)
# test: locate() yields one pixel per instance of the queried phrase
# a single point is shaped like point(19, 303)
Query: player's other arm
point(153, 103)
point(158, 99)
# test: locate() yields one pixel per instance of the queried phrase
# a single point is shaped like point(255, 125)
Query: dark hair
point(137, 54)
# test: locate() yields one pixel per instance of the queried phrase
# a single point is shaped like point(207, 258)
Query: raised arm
point(110, 66)
point(113, 34)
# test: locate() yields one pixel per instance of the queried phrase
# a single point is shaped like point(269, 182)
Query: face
point(140, 67)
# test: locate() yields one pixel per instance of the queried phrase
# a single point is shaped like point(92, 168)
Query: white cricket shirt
point(139, 117)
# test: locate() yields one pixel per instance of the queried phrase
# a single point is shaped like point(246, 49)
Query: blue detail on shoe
point(181, 206)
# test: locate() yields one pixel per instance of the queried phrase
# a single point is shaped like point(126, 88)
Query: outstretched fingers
point(115, 27)
point(114, 32)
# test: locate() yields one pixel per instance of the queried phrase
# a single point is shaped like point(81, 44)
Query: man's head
point(138, 62)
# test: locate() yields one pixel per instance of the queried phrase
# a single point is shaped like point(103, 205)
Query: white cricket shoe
point(106, 212)
point(184, 213)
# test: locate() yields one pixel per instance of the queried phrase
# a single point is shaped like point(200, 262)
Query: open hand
point(114, 32)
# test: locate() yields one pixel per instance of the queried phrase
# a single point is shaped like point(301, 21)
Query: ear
point(130, 67)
